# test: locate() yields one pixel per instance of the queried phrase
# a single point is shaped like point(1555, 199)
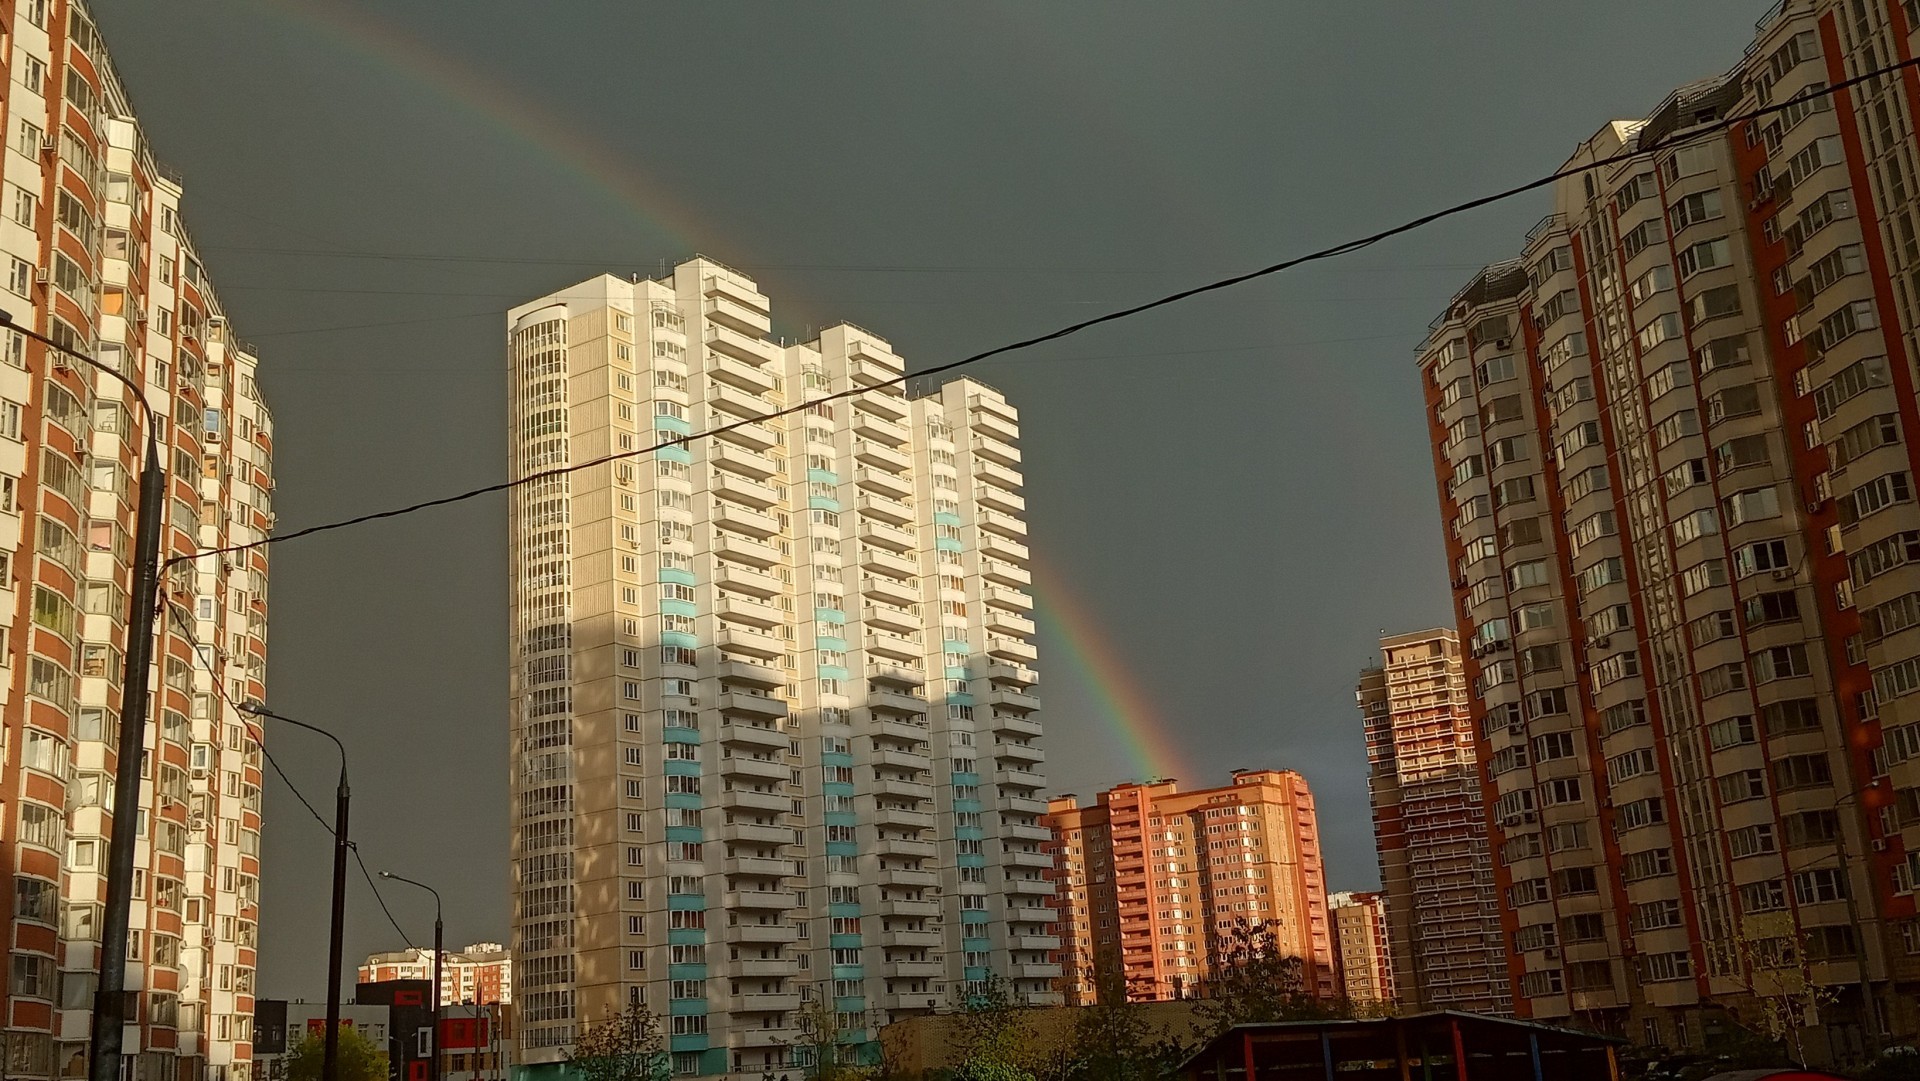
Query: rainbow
point(557, 139)
point(1122, 705)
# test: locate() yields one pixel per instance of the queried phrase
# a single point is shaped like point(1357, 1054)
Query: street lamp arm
point(259, 710)
point(139, 395)
point(411, 882)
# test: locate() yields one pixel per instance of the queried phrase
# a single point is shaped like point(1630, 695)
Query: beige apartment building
point(773, 712)
point(1430, 828)
point(1675, 448)
point(481, 974)
point(95, 256)
point(1366, 955)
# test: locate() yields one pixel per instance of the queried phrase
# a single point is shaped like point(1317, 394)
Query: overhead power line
point(1335, 251)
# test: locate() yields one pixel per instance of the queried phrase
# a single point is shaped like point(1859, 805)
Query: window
point(1706, 255)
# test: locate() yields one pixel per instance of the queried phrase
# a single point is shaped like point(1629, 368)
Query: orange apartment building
point(1149, 874)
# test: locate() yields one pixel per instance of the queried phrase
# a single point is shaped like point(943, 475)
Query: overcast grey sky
point(1235, 492)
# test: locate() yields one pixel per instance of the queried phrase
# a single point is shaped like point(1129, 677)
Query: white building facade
point(773, 712)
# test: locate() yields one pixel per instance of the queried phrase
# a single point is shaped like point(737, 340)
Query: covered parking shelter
point(1441, 1046)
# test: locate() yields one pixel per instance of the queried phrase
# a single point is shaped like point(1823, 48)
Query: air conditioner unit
point(1783, 575)
point(49, 145)
point(1599, 641)
point(1552, 953)
point(43, 275)
point(1814, 505)
point(1529, 816)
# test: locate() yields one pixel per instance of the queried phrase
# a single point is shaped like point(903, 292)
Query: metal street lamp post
point(438, 953)
point(109, 999)
point(337, 932)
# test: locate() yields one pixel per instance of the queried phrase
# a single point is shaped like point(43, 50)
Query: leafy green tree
point(359, 1058)
point(993, 1034)
point(823, 1048)
point(627, 1046)
point(1112, 1041)
point(1250, 979)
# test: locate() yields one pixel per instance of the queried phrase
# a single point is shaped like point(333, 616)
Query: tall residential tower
point(773, 720)
point(1436, 869)
point(95, 256)
point(1675, 443)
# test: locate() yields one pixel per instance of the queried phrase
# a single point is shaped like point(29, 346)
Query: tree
point(627, 1046)
point(1772, 952)
point(359, 1059)
point(1250, 979)
point(992, 1034)
point(822, 1048)
point(1112, 1041)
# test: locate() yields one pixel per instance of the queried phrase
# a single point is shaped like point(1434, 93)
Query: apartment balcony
point(931, 940)
point(922, 909)
point(885, 457)
point(750, 348)
point(905, 879)
point(902, 760)
point(763, 1002)
point(754, 613)
point(902, 790)
point(898, 675)
point(982, 406)
point(1011, 649)
point(911, 1003)
point(993, 450)
point(886, 509)
point(1033, 972)
point(890, 563)
point(748, 377)
point(1029, 887)
point(752, 435)
point(887, 402)
point(740, 640)
point(1026, 805)
point(756, 769)
point(879, 428)
point(1037, 861)
point(907, 847)
point(1012, 600)
point(743, 799)
point(744, 489)
point(896, 618)
point(736, 734)
point(1012, 674)
point(1004, 524)
point(741, 317)
point(879, 480)
point(757, 867)
point(1003, 548)
point(743, 580)
point(1019, 701)
point(750, 673)
point(740, 460)
point(763, 934)
point(891, 588)
point(1024, 910)
point(900, 818)
point(764, 967)
point(758, 835)
point(1019, 752)
point(760, 900)
point(1006, 574)
point(932, 970)
point(886, 701)
point(901, 729)
point(1018, 832)
point(716, 284)
point(874, 531)
point(869, 365)
point(756, 553)
point(896, 646)
point(737, 403)
point(999, 499)
point(771, 1039)
point(999, 619)
point(744, 519)
point(752, 705)
point(999, 476)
